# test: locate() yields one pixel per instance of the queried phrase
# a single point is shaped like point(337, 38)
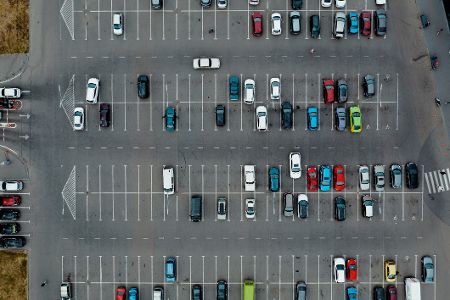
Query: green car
point(355, 119)
point(234, 88)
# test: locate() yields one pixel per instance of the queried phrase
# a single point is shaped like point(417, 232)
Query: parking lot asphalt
point(97, 214)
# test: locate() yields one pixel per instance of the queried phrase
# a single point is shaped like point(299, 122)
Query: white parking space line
point(138, 111)
point(139, 271)
point(126, 194)
point(138, 191)
point(397, 105)
point(379, 90)
point(293, 276)
point(125, 99)
point(435, 277)
point(190, 274)
point(203, 273)
point(370, 272)
point(125, 18)
point(98, 20)
point(331, 277)
point(150, 24)
point(151, 192)
point(75, 274)
point(151, 272)
point(100, 191)
point(242, 280)
point(415, 265)
point(267, 277)
point(87, 276)
point(137, 19)
point(203, 192)
point(163, 22)
point(87, 193)
point(164, 101)
point(112, 190)
point(100, 271)
point(215, 189)
point(248, 21)
point(279, 277)
point(228, 23)
point(242, 100)
point(318, 98)
point(228, 192)
point(215, 97)
point(202, 25)
point(215, 22)
point(189, 185)
point(242, 203)
point(114, 274)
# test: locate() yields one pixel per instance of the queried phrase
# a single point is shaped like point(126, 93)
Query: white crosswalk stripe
point(438, 181)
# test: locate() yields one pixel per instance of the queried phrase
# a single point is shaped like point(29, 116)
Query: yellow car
point(390, 270)
point(355, 119)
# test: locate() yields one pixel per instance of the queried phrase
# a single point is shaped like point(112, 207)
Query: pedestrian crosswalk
point(438, 181)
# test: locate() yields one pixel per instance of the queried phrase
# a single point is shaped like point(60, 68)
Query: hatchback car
point(9, 214)
point(157, 4)
point(412, 175)
point(311, 179)
point(249, 91)
point(170, 270)
point(353, 21)
point(391, 292)
point(364, 178)
point(312, 116)
point(427, 269)
point(170, 118)
point(340, 3)
point(276, 23)
point(78, 118)
point(295, 22)
point(222, 208)
point(105, 115)
point(339, 25)
point(328, 91)
point(117, 23)
point(380, 22)
point(205, 3)
point(286, 115)
point(352, 269)
point(220, 115)
point(250, 208)
point(300, 289)
point(197, 292)
point(314, 25)
point(378, 293)
point(250, 178)
point(339, 269)
point(325, 178)
point(92, 90)
point(275, 89)
point(222, 290)
point(234, 87)
point(11, 186)
point(352, 293)
point(339, 178)
point(143, 86)
point(274, 179)
point(257, 22)
point(339, 208)
point(378, 177)
point(288, 210)
point(365, 20)
point(326, 3)
point(262, 122)
point(222, 4)
point(340, 119)
point(253, 2)
point(302, 206)
point(10, 200)
point(390, 270)
point(368, 86)
point(295, 165)
point(296, 4)
point(396, 176)
point(367, 206)
point(12, 242)
point(12, 93)
point(121, 293)
point(9, 228)
point(342, 91)
point(355, 119)
point(133, 293)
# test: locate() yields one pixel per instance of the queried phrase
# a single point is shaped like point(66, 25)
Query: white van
point(158, 293)
point(169, 187)
point(412, 288)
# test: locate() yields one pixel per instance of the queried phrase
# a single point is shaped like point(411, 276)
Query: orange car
point(121, 293)
point(339, 178)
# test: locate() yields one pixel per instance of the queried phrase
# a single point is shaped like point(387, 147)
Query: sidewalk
point(12, 166)
point(12, 66)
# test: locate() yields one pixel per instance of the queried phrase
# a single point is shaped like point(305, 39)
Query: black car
point(369, 86)
point(9, 228)
point(412, 175)
point(295, 22)
point(205, 3)
point(342, 91)
point(339, 208)
point(220, 115)
point(105, 115)
point(314, 24)
point(222, 290)
point(378, 293)
point(296, 4)
point(9, 214)
point(197, 292)
point(286, 115)
point(157, 4)
point(380, 22)
point(12, 242)
point(143, 86)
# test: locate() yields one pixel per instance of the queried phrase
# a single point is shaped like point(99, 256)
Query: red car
point(257, 19)
point(339, 177)
point(10, 200)
point(352, 269)
point(391, 293)
point(365, 22)
point(121, 293)
point(311, 178)
point(328, 91)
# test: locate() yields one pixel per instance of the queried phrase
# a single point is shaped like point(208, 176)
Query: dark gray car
point(340, 118)
point(157, 4)
point(301, 290)
point(369, 86)
point(220, 115)
point(380, 22)
point(314, 25)
point(342, 91)
point(339, 208)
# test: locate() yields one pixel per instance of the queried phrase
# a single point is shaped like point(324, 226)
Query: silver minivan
point(288, 205)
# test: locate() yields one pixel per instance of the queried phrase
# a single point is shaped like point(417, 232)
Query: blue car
point(171, 269)
point(133, 294)
point(353, 19)
point(313, 117)
point(352, 293)
point(170, 116)
point(325, 178)
point(274, 179)
point(233, 83)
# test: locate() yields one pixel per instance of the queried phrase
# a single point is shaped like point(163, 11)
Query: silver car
point(396, 176)
point(288, 205)
point(339, 25)
point(364, 178)
point(340, 118)
point(378, 177)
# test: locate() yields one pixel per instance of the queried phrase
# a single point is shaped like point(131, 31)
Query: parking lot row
point(275, 276)
point(129, 193)
point(196, 96)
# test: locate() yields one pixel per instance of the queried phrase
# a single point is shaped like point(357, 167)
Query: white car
point(250, 178)
point(275, 89)
point(367, 206)
point(78, 118)
point(206, 63)
point(222, 4)
point(253, 2)
point(261, 118)
point(249, 91)
point(327, 3)
point(250, 208)
point(117, 24)
point(11, 186)
point(380, 2)
point(276, 23)
point(364, 178)
point(295, 165)
point(13, 93)
point(92, 90)
point(340, 3)
point(339, 269)
point(339, 25)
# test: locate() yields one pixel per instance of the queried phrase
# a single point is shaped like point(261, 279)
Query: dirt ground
point(13, 275)
point(14, 26)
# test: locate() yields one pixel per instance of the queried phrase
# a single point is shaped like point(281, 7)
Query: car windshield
point(92, 85)
point(340, 267)
point(117, 26)
point(295, 167)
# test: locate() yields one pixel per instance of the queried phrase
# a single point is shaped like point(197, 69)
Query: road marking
point(100, 191)
point(138, 190)
point(151, 192)
point(126, 194)
point(189, 93)
point(125, 99)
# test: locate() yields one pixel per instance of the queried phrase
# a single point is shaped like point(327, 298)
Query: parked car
point(234, 86)
point(105, 115)
point(364, 178)
point(412, 175)
point(222, 290)
point(222, 4)
point(92, 90)
point(326, 3)
point(378, 293)
point(276, 23)
point(206, 63)
point(66, 291)
point(378, 177)
point(340, 118)
point(9, 214)
point(206, 3)
point(157, 4)
point(249, 176)
point(300, 289)
point(12, 242)
point(275, 89)
point(121, 293)
point(339, 24)
point(11, 185)
point(249, 91)
point(380, 22)
point(222, 208)
point(288, 210)
point(170, 118)
point(312, 118)
point(295, 22)
point(171, 270)
point(369, 86)
point(253, 2)
point(10, 200)
point(352, 269)
point(353, 21)
point(314, 25)
point(339, 269)
point(9, 228)
point(328, 91)
point(342, 91)
point(117, 23)
point(262, 122)
point(257, 22)
point(143, 86)
point(427, 269)
point(396, 176)
point(340, 3)
point(302, 206)
point(295, 165)
point(365, 19)
point(390, 270)
point(78, 118)
point(286, 115)
point(352, 293)
point(355, 119)
point(12, 93)
point(367, 206)
point(197, 292)
point(391, 292)
point(250, 208)
point(339, 208)
point(339, 178)
point(311, 179)
point(325, 178)
point(220, 115)
point(133, 293)
point(296, 4)
point(274, 179)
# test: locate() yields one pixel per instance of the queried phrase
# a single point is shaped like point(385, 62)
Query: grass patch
point(13, 275)
point(14, 26)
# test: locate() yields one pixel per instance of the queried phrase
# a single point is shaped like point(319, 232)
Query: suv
point(222, 290)
point(221, 208)
point(369, 86)
point(105, 115)
point(288, 205)
point(286, 115)
point(412, 175)
point(143, 86)
point(261, 118)
point(396, 176)
point(234, 87)
point(367, 206)
point(314, 24)
point(170, 270)
point(295, 22)
point(378, 293)
point(339, 208)
point(220, 115)
point(380, 22)
point(339, 25)
point(300, 290)
point(249, 177)
point(197, 292)
point(378, 177)
point(12, 242)
point(302, 206)
point(274, 179)
point(196, 208)
point(118, 23)
point(92, 90)
point(339, 269)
